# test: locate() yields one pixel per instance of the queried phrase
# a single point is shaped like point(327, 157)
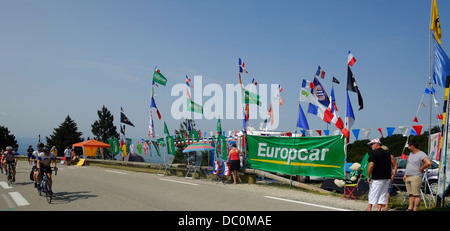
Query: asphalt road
point(90, 188)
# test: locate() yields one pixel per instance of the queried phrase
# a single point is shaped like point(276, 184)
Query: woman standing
point(235, 163)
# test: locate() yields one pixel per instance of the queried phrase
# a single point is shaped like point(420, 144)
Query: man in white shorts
point(380, 168)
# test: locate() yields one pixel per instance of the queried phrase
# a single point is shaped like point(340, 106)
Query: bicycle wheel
point(39, 188)
point(9, 175)
point(48, 193)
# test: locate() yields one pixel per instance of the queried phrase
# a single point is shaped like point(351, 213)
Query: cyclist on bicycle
point(44, 161)
point(33, 162)
point(10, 157)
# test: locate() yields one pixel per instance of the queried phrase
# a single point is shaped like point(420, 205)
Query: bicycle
point(44, 186)
point(9, 173)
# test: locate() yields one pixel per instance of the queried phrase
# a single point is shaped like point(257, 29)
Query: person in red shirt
point(235, 162)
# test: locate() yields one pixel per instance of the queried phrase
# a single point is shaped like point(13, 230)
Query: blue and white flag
point(441, 64)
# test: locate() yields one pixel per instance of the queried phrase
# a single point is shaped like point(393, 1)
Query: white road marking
point(175, 181)
point(5, 185)
point(19, 199)
point(124, 173)
point(8, 201)
point(305, 203)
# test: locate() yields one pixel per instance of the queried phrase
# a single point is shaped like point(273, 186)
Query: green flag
point(219, 127)
point(364, 165)
point(194, 135)
point(166, 131)
point(192, 106)
point(222, 141)
point(115, 145)
point(170, 145)
point(250, 97)
point(159, 78)
point(155, 144)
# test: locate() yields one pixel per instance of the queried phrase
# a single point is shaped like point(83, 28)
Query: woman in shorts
point(235, 162)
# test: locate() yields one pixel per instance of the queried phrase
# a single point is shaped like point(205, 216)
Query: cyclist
point(33, 162)
point(10, 157)
point(44, 161)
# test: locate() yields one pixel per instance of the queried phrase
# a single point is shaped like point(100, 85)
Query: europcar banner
point(308, 156)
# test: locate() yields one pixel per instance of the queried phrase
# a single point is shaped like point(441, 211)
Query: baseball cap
point(374, 141)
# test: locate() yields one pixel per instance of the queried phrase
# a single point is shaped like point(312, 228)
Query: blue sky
point(64, 58)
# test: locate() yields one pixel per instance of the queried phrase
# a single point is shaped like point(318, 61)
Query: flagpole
point(429, 75)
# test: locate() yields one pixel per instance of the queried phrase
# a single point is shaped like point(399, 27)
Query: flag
point(153, 104)
point(335, 80)
point(278, 96)
point(187, 81)
point(219, 127)
point(441, 64)
point(403, 156)
point(249, 97)
point(242, 66)
point(151, 127)
point(302, 122)
point(356, 133)
point(417, 129)
point(270, 113)
point(320, 93)
point(155, 144)
point(166, 130)
point(170, 145)
point(350, 116)
point(435, 24)
point(254, 82)
point(192, 106)
point(122, 135)
point(351, 59)
point(404, 130)
point(320, 73)
point(351, 86)
point(158, 77)
point(125, 120)
point(415, 120)
point(390, 131)
point(333, 105)
point(321, 111)
point(307, 84)
point(381, 132)
point(189, 128)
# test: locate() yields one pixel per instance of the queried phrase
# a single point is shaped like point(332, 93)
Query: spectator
point(418, 161)
point(235, 162)
point(380, 168)
point(30, 151)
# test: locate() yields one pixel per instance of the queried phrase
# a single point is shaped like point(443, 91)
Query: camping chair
point(350, 188)
point(192, 169)
point(166, 165)
point(215, 170)
point(223, 176)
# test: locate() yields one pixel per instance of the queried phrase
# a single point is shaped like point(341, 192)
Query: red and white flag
point(351, 59)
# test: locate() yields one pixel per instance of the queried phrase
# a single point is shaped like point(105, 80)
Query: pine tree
point(65, 135)
point(103, 128)
point(7, 139)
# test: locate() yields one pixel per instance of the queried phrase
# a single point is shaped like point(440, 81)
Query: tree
point(103, 128)
point(65, 135)
point(7, 139)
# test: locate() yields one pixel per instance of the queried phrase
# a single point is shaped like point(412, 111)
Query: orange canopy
point(90, 146)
